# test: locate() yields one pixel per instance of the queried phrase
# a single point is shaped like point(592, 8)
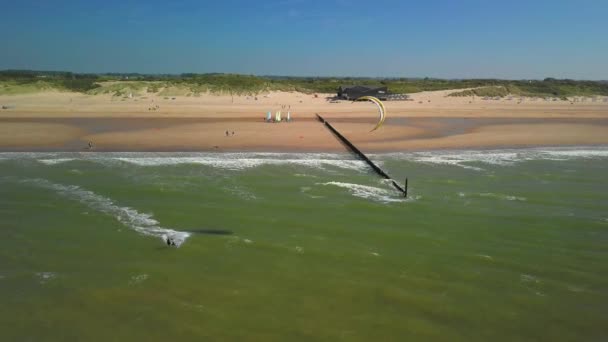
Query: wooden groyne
point(361, 155)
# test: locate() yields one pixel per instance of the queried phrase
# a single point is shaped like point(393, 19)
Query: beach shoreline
point(59, 121)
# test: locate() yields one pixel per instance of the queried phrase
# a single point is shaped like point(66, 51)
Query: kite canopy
point(381, 109)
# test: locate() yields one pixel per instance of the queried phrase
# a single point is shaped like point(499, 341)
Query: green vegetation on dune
point(483, 91)
point(15, 82)
point(546, 88)
point(12, 87)
point(120, 88)
point(218, 83)
point(19, 82)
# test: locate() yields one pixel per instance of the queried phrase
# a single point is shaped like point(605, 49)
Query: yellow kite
point(381, 109)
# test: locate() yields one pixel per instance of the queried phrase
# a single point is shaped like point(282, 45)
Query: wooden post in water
point(361, 155)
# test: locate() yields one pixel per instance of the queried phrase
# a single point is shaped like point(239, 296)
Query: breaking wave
point(503, 196)
point(504, 157)
point(368, 192)
point(140, 222)
point(229, 161)
point(495, 196)
point(55, 161)
point(470, 159)
point(246, 163)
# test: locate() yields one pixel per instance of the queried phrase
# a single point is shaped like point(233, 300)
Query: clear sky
point(435, 38)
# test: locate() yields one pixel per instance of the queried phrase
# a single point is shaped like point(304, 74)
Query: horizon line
point(295, 76)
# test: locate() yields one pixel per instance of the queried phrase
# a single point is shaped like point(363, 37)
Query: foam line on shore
point(244, 163)
point(502, 157)
point(246, 160)
point(228, 161)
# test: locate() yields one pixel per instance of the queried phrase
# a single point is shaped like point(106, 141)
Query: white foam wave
point(494, 195)
point(55, 161)
point(242, 193)
point(229, 161)
point(505, 157)
point(527, 278)
point(244, 163)
point(138, 279)
point(305, 175)
point(368, 192)
point(140, 222)
point(503, 196)
point(44, 277)
point(470, 159)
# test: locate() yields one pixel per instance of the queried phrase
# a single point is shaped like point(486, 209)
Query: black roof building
point(356, 91)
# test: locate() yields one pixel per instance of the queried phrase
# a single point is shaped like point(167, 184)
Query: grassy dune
point(17, 82)
point(482, 91)
point(546, 88)
point(11, 87)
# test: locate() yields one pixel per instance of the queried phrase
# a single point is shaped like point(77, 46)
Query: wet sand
point(205, 134)
point(67, 122)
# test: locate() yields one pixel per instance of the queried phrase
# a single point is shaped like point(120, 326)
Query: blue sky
point(447, 39)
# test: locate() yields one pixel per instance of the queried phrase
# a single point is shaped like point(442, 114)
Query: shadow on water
point(210, 231)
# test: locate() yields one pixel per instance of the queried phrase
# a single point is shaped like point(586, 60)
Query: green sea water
point(506, 245)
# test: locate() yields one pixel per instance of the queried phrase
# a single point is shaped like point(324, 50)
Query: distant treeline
point(247, 84)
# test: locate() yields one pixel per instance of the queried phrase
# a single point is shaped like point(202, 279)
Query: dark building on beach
point(356, 91)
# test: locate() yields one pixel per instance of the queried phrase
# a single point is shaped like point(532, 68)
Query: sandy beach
point(60, 121)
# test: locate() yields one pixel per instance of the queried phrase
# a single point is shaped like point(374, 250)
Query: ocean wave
point(138, 279)
point(244, 163)
point(140, 222)
point(55, 161)
point(503, 157)
point(229, 161)
point(45, 277)
point(241, 193)
point(494, 195)
point(503, 196)
point(368, 192)
point(470, 159)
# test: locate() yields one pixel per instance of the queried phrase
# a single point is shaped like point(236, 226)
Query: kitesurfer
point(169, 240)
